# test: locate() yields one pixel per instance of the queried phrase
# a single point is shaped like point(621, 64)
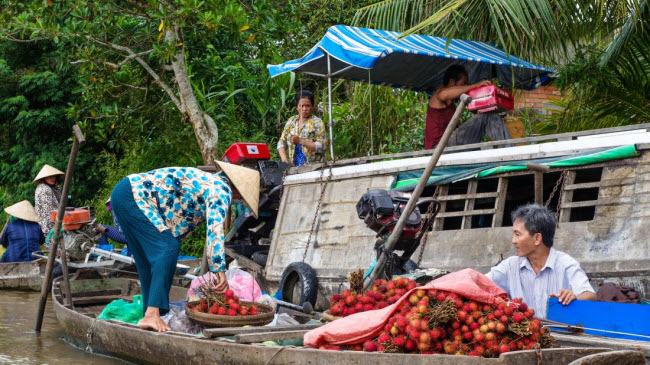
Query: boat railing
point(478, 146)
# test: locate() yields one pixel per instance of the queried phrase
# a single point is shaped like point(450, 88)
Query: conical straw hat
point(246, 181)
point(48, 171)
point(23, 210)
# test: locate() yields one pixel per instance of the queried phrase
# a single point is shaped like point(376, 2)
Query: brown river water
point(20, 345)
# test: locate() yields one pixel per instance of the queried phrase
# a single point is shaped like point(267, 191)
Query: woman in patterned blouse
point(156, 209)
point(47, 197)
point(303, 140)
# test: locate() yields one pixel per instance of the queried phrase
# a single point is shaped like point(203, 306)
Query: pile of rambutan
point(430, 321)
point(381, 295)
point(226, 304)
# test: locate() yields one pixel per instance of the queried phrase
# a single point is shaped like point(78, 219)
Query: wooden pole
point(539, 171)
point(433, 161)
point(47, 281)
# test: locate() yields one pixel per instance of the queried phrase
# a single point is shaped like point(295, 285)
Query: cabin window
point(470, 204)
point(490, 202)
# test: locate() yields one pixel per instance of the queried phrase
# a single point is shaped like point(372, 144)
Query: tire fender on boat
point(302, 274)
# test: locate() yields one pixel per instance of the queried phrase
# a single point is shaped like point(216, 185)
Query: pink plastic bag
point(241, 282)
point(363, 326)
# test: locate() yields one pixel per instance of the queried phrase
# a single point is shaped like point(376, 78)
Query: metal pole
point(397, 231)
point(47, 281)
point(329, 101)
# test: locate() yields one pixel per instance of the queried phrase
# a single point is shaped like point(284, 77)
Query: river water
point(20, 345)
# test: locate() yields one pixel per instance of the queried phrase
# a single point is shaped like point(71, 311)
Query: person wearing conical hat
point(156, 209)
point(22, 235)
point(47, 197)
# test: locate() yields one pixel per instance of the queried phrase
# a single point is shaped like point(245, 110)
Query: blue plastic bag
point(299, 157)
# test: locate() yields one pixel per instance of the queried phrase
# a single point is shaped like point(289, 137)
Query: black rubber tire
point(260, 257)
point(409, 266)
point(299, 274)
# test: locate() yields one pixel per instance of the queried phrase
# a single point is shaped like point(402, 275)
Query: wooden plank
point(469, 204)
point(465, 213)
point(567, 197)
point(269, 336)
point(438, 222)
point(500, 202)
point(230, 331)
point(467, 196)
point(602, 201)
point(96, 293)
point(95, 300)
point(244, 261)
point(602, 183)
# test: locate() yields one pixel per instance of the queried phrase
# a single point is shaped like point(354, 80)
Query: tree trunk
point(205, 128)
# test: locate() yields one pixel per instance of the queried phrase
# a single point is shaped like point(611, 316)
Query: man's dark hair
point(454, 72)
point(304, 94)
point(537, 219)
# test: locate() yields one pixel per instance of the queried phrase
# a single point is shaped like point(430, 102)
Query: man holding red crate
point(442, 107)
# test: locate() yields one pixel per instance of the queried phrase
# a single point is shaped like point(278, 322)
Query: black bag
point(375, 202)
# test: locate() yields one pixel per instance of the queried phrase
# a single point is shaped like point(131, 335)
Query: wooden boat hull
point(133, 344)
point(22, 275)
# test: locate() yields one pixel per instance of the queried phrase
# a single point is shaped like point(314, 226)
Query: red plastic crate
point(246, 153)
point(490, 98)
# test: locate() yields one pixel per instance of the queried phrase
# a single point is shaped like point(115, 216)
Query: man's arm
point(440, 98)
point(579, 283)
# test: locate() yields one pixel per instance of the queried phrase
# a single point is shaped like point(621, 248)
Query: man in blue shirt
point(539, 271)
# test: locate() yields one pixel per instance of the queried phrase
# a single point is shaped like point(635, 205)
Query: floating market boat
point(22, 275)
point(127, 341)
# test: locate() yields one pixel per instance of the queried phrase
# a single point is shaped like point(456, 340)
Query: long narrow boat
point(131, 343)
point(22, 275)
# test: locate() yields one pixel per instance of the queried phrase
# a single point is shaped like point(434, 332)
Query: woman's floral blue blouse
point(180, 198)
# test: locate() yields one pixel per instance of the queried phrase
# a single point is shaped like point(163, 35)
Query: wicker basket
point(329, 317)
point(264, 317)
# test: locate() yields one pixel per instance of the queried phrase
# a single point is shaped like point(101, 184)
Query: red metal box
point(490, 98)
point(246, 153)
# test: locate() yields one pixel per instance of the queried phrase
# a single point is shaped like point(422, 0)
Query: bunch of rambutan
point(382, 294)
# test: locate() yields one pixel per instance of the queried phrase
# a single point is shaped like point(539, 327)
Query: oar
point(47, 282)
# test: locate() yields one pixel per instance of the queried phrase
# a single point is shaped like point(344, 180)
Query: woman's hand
point(295, 139)
point(222, 283)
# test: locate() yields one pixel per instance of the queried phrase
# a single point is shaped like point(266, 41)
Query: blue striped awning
point(415, 62)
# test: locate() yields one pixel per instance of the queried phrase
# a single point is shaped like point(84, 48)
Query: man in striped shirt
point(539, 271)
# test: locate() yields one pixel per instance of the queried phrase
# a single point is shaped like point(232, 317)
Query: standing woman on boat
point(22, 234)
point(156, 209)
point(47, 198)
point(303, 140)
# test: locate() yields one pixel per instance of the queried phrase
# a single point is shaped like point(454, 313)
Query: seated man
point(539, 271)
point(442, 107)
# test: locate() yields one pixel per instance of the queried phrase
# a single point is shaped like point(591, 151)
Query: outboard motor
point(380, 210)
point(78, 231)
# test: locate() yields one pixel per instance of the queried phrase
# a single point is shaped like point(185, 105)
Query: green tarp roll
point(406, 181)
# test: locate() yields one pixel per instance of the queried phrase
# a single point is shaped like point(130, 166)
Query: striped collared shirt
point(516, 276)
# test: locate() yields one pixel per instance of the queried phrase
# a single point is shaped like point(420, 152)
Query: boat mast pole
point(433, 161)
point(329, 102)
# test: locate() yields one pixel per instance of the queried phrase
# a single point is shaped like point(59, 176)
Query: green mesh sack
point(124, 311)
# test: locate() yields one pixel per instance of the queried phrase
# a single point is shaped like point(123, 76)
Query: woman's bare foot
point(153, 321)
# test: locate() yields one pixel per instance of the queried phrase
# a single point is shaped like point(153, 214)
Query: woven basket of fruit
point(246, 314)
point(226, 310)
